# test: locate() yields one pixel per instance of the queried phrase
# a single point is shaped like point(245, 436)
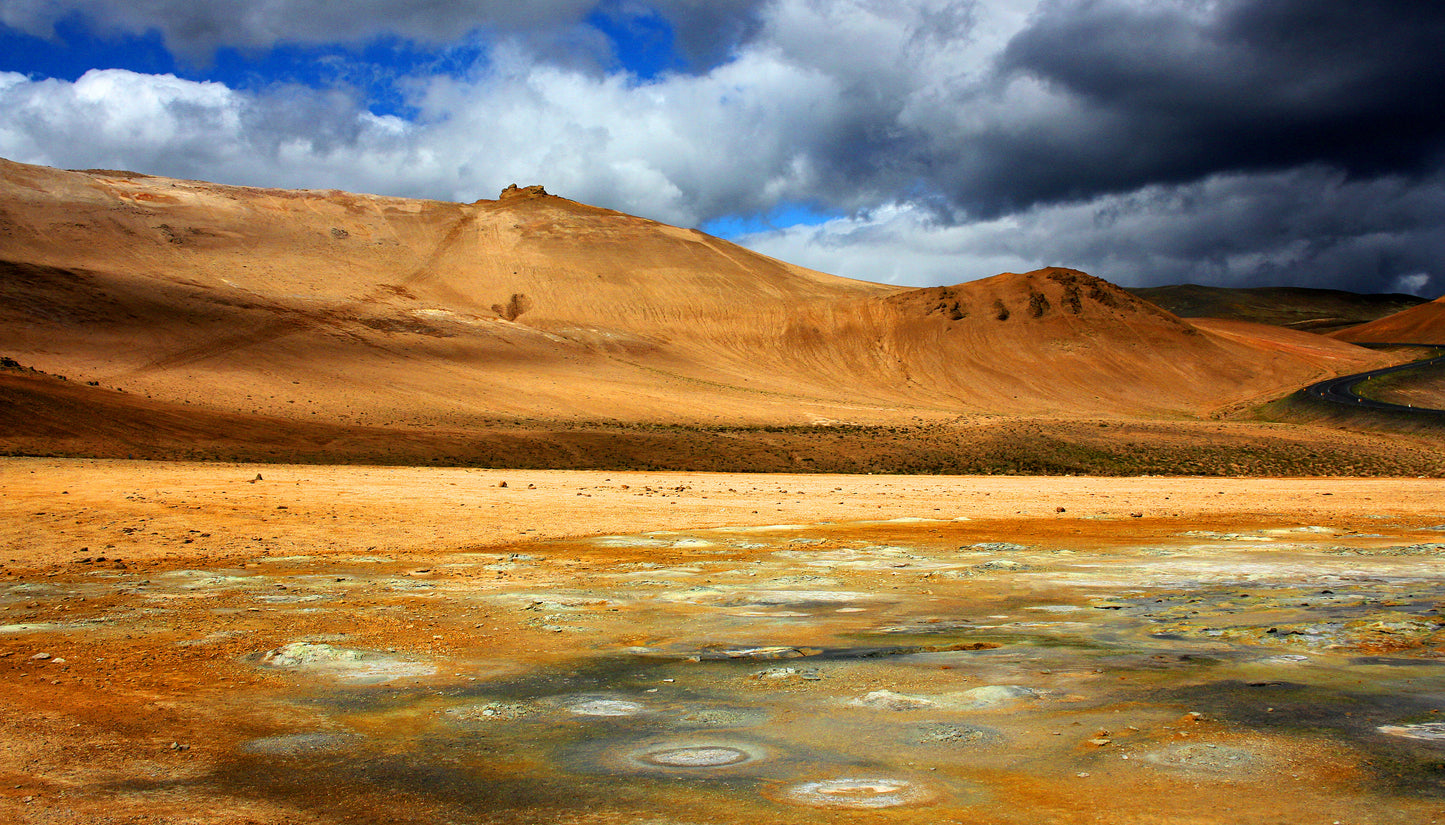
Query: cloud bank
point(1215, 141)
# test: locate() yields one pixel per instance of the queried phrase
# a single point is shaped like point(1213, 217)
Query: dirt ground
point(59, 511)
point(217, 643)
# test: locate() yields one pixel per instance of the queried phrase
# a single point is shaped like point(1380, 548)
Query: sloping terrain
point(1303, 308)
point(330, 318)
point(1423, 324)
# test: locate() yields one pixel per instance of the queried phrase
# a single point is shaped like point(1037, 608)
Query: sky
point(914, 142)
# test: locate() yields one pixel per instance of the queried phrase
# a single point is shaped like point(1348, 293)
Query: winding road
point(1341, 390)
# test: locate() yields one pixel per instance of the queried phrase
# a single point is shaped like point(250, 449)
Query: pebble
point(40, 657)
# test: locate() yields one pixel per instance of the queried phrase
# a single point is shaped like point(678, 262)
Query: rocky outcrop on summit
point(515, 191)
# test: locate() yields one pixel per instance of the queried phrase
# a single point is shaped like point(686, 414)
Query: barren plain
point(202, 642)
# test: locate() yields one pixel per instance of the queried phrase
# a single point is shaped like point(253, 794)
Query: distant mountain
point(1303, 308)
point(326, 307)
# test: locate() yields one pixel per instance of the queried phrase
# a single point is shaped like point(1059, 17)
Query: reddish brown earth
point(1424, 324)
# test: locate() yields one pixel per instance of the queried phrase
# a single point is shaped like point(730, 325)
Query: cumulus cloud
point(1221, 142)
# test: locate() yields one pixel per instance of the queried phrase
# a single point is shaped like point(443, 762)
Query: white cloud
point(822, 105)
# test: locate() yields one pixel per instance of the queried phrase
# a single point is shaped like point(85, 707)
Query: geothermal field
point(330, 508)
point(187, 643)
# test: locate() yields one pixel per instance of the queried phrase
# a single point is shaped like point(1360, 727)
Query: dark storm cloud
point(1168, 93)
point(196, 29)
point(705, 30)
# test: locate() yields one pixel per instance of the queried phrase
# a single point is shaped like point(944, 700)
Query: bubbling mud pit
point(895, 672)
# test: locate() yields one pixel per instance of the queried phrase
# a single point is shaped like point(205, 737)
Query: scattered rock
point(888, 700)
point(491, 711)
point(1202, 758)
point(955, 734)
point(299, 744)
point(779, 674)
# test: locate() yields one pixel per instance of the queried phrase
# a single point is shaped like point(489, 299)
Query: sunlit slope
point(1423, 324)
point(330, 306)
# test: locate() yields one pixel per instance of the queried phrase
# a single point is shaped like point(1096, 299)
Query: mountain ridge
point(333, 306)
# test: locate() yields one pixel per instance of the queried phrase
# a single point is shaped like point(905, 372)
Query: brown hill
point(334, 308)
point(1303, 308)
point(1423, 324)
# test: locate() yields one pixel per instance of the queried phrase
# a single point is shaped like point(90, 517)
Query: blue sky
point(1242, 142)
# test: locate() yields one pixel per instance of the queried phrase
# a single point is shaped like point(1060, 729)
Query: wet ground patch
point(894, 672)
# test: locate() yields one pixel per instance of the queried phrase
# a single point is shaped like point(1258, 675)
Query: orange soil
point(1423, 324)
point(55, 511)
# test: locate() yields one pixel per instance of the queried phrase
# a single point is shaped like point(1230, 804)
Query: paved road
point(1341, 390)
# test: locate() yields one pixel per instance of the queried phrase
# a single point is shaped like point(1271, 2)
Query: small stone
point(1101, 742)
point(40, 657)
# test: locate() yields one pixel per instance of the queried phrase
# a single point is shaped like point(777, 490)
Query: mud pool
point(916, 671)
